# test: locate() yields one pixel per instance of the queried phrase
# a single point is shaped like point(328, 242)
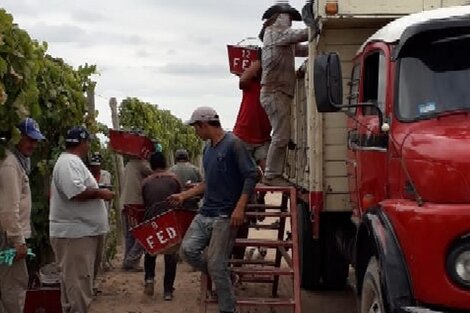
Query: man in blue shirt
point(230, 178)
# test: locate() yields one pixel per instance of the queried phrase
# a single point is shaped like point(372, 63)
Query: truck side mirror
point(328, 82)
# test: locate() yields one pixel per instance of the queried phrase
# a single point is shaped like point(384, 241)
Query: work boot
point(149, 287)
point(168, 296)
point(277, 181)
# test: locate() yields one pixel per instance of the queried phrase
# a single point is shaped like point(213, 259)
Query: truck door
point(365, 139)
point(351, 163)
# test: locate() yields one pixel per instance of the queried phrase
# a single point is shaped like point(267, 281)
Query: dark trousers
point(170, 269)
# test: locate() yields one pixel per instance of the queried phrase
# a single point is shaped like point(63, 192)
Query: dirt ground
point(122, 292)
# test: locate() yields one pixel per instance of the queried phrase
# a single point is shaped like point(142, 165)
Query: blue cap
point(30, 128)
point(77, 134)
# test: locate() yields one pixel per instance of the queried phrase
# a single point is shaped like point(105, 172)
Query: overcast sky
point(168, 52)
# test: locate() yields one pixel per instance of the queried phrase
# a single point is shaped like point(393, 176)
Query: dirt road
point(122, 292)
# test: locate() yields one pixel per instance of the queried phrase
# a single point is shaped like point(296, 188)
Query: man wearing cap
point(15, 211)
point(103, 178)
point(280, 46)
point(188, 175)
point(78, 220)
point(229, 180)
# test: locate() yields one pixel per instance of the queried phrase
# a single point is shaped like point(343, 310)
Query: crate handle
point(247, 39)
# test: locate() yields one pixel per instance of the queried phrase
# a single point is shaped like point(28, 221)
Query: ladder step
point(263, 243)
point(268, 214)
point(261, 187)
point(259, 280)
point(252, 262)
point(259, 271)
point(263, 206)
point(264, 226)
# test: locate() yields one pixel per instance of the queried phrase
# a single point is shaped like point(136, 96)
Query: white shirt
point(72, 218)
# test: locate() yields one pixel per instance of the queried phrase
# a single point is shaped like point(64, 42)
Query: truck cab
point(407, 161)
point(397, 146)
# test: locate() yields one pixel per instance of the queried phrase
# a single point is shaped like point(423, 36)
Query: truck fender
point(376, 236)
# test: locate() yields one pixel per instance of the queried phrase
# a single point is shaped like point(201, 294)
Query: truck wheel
point(309, 249)
point(335, 270)
point(371, 295)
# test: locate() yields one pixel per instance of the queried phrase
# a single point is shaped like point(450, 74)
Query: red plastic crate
point(164, 233)
point(44, 300)
point(134, 214)
point(241, 57)
point(131, 143)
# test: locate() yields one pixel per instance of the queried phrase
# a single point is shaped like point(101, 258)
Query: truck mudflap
point(377, 231)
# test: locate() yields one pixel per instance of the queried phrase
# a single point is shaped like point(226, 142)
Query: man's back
point(157, 188)
point(134, 172)
point(186, 172)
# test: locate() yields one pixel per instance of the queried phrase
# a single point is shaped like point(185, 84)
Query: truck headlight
point(458, 263)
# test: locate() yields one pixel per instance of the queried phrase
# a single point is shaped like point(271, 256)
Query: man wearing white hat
point(229, 180)
point(280, 46)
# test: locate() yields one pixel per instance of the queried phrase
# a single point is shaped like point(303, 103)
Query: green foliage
point(161, 125)
point(20, 61)
point(52, 92)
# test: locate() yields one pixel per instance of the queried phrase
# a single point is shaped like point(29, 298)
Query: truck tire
point(335, 269)
point(309, 249)
point(371, 294)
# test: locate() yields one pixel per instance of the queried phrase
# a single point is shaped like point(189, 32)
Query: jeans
point(218, 236)
point(133, 250)
point(170, 270)
point(277, 106)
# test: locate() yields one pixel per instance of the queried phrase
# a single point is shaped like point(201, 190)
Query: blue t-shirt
point(229, 171)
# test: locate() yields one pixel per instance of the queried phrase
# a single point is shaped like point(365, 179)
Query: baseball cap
point(181, 154)
point(203, 114)
point(77, 134)
point(95, 159)
point(30, 128)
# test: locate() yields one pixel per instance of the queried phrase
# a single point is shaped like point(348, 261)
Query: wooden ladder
point(251, 271)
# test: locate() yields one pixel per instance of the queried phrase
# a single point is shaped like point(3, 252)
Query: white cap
point(203, 114)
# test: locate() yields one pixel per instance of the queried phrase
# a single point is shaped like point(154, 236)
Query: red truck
point(384, 174)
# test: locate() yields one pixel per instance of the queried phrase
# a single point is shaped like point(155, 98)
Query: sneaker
point(276, 181)
point(149, 287)
point(168, 296)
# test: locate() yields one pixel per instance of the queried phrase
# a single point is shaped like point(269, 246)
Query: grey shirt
point(72, 218)
point(186, 172)
point(280, 46)
point(134, 173)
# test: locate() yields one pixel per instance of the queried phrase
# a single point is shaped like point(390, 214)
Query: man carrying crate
point(155, 190)
point(230, 178)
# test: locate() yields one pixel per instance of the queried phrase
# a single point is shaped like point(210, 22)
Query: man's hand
point(176, 199)
point(106, 194)
point(238, 216)
point(21, 251)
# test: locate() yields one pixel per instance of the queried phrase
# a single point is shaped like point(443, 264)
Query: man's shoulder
point(9, 159)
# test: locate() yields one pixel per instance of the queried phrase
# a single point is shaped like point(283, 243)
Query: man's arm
point(247, 167)
point(70, 181)
point(177, 199)
point(94, 193)
point(10, 193)
point(291, 36)
point(251, 72)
